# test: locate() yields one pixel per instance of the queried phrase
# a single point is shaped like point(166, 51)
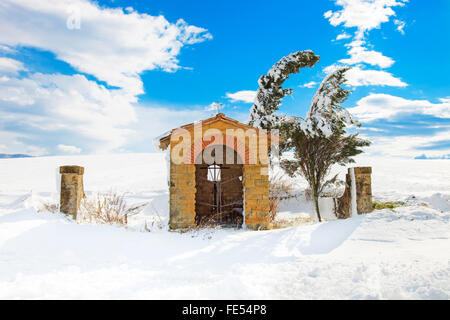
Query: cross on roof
point(216, 106)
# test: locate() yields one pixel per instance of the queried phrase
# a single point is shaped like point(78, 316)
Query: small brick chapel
point(218, 174)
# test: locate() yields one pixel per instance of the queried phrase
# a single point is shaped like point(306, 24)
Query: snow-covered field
point(401, 254)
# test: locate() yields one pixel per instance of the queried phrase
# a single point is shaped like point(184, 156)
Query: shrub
point(286, 223)
point(156, 221)
point(108, 208)
point(48, 207)
point(280, 189)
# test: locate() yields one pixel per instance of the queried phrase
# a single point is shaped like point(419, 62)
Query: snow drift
point(401, 254)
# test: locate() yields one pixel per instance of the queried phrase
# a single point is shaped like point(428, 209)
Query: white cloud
point(424, 156)
point(8, 65)
point(35, 150)
point(69, 149)
point(359, 54)
point(363, 15)
point(44, 104)
point(357, 77)
point(12, 143)
point(113, 45)
point(164, 118)
point(93, 129)
point(6, 49)
point(343, 36)
point(408, 146)
point(247, 96)
point(384, 106)
point(91, 135)
point(400, 26)
point(372, 129)
point(310, 84)
point(214, 107)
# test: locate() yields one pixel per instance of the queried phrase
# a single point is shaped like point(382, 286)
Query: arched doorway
point(219, 187)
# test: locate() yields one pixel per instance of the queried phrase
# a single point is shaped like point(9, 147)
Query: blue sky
point(78, 76)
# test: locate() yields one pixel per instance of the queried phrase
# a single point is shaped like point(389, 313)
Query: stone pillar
point(364, 189)
point(363, 183)
point(72, 190)
point(182, 196)
point(256, 197)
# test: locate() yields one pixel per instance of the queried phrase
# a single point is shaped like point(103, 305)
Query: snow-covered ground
point(401, 254)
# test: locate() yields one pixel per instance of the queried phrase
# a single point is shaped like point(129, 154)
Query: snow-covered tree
point(320, 139)
point(270, 92)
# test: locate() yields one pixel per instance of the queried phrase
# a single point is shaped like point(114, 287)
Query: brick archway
point(236, 144)
point(185, 173)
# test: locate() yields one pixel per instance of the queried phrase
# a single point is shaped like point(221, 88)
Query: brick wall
point(182, 196)
point(256, 186)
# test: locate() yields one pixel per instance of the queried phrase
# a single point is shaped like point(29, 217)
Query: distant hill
point(13, 156)
point(425, 157)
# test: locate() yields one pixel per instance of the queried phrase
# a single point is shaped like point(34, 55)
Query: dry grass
point(286, 223)
point(109, 208)
point(280, 189)
point(48, 207)
point(156, 221)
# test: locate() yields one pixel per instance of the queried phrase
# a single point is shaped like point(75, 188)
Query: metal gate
point(221, 213)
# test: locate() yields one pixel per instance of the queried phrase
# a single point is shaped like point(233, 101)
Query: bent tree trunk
point(316, 206)
point(315, 195)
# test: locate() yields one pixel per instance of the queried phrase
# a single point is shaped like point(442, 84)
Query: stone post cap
point(363, 170)
point(71, 169)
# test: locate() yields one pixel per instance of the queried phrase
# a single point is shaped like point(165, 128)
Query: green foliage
point(388, 205)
